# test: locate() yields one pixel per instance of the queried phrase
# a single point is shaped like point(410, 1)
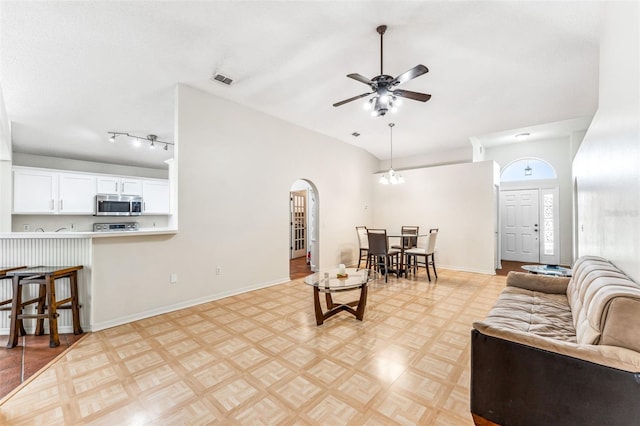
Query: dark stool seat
point(45, 277)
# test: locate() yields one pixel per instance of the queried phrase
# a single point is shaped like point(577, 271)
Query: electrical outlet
point(26, 228)
point(173, 278)
point(218, 270)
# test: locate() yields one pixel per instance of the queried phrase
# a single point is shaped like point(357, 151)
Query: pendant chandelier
point(391, 177)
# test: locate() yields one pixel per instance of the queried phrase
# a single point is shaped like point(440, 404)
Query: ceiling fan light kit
point(386, 96)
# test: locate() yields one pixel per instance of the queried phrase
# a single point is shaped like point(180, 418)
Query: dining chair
point(363, 242)
point(425, 249)
point(408, 242)
point(381, 257)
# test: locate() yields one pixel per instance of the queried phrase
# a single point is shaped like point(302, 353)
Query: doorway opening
point(529, 213)
point(303, 229)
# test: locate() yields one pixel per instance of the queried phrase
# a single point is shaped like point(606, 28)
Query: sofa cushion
point(543, 314)
point(603, 299)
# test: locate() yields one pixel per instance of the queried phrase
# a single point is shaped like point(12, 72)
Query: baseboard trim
point(182, 305)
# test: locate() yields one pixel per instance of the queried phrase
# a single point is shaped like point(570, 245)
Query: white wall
point(458, 199)
point(438, 158)
point(557, 152)
point(607, 166)
point(42, 161)
point(5, 168)
point(235, 168)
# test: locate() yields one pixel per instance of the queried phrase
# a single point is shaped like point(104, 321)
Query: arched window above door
point(527, 169)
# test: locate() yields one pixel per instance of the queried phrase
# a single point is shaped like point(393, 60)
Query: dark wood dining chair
point(408, 242)
point(381, 257)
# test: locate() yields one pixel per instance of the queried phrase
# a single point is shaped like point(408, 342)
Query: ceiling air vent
point(222, 79)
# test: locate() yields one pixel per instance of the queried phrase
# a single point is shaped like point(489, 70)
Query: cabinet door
point(155, 194)
point(76, 193)
point(130, 186)
point(34, 191)
point(108, 185)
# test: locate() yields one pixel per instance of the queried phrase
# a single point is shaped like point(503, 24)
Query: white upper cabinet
point(34, 191)
point(155, 195)
point(119, 185)
point(76, 193)
point(47, 192)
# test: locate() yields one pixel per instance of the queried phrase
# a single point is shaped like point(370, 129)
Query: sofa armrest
point(515, 383)
point(537, 282)
point(610, 356)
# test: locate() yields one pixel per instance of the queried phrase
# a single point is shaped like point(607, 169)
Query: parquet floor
point(258, 358)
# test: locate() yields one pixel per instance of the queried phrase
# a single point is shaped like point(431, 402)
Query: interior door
point(298, 224)
point(519, 214)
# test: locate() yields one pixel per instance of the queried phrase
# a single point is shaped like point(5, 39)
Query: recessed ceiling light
point(522, 136)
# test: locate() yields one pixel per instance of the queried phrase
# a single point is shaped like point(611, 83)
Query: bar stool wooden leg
point(42, 299)
point(54, 338)
point(75, 304)
point(16, 306)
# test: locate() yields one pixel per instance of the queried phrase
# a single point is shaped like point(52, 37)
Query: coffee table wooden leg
point(329, 300)
point(317, 307)
point(362, 303)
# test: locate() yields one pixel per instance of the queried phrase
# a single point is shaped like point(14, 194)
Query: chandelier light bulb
point(152, 146)
point(112, 138)
point(135, 142)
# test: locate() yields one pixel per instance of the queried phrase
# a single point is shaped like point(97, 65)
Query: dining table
point(401, 269)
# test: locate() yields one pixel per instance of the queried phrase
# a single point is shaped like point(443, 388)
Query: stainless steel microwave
point(118, 205)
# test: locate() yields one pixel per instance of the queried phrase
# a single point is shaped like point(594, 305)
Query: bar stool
point(45, 277)
point(4, 303)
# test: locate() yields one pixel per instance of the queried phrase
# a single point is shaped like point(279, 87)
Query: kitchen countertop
point(87, 234)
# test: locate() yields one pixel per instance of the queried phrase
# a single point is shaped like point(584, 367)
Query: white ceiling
point(72, 71)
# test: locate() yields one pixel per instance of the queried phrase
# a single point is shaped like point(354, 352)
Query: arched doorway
point(303, 229)
point(529, 215)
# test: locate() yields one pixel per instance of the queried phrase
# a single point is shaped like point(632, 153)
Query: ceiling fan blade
point(414, 72)
point(351, 99)
point(360, 78)
point(416, 96)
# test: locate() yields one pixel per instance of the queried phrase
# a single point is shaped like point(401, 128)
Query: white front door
point(519, 215)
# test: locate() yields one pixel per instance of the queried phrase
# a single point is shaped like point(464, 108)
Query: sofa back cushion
point(605, 304)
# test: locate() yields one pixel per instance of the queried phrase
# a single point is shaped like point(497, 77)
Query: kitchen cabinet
point(49, 192)
point(155, 195)
point(118, 185)
point(76, 193)
point(34, 191)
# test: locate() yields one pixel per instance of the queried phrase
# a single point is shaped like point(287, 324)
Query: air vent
point(222, 79)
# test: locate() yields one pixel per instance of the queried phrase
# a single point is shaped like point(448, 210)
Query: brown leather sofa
point(560, 351)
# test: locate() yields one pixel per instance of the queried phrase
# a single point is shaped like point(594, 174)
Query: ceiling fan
point(384, 86)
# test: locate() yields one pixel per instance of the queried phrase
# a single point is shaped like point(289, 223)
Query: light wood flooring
point(258, 358)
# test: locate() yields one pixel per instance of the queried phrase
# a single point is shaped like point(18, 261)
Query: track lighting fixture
point(136, 140)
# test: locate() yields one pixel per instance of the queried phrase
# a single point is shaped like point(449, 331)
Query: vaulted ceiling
point(72, 71)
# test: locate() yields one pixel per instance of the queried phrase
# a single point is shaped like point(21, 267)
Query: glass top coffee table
point(328, 282)
point(558, 271)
